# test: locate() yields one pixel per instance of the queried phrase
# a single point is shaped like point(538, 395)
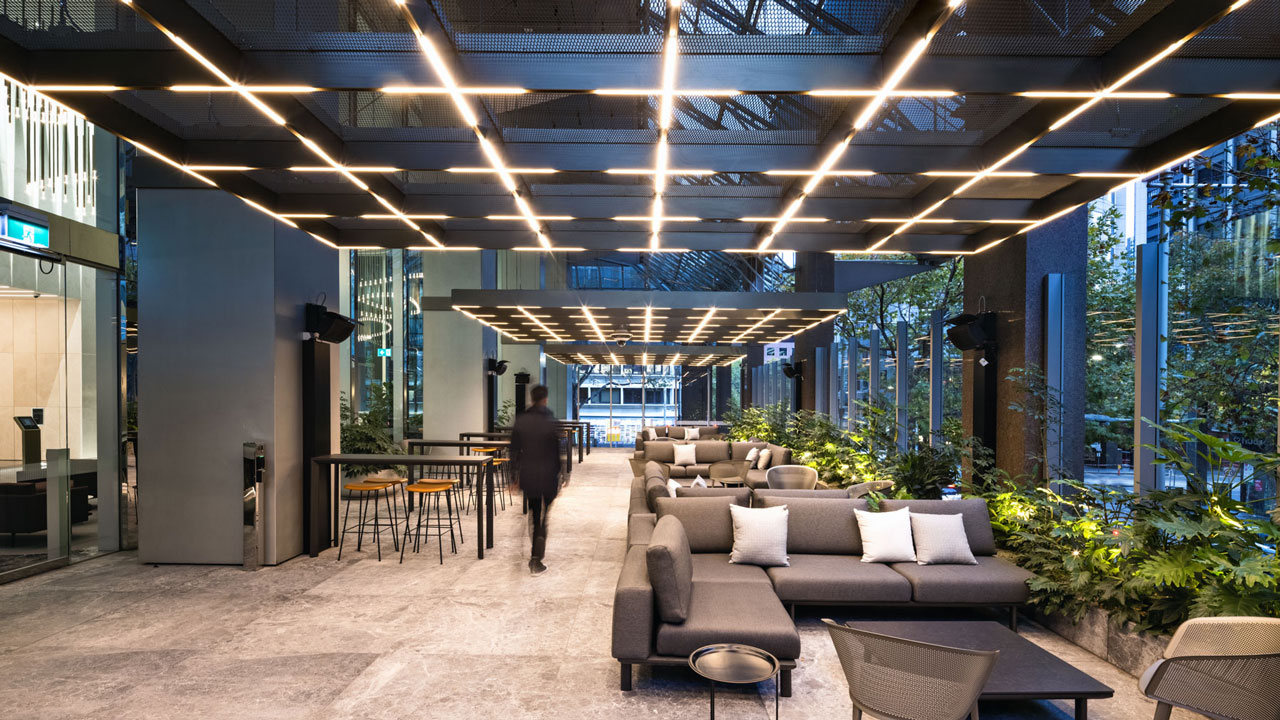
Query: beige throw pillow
point(685, 455)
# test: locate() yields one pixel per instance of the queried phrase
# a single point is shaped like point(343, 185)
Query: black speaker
point(793, 368)
point(327, 326)
point(497, 367)
point(972, 332)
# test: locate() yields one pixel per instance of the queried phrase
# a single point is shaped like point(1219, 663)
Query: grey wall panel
point(205, 370)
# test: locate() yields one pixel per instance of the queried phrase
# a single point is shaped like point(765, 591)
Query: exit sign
point(27, 233)
point(384, 352)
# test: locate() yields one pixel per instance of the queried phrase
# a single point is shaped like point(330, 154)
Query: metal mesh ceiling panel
point(210, 116)
point(1249, 33)
point(1131, 123)
point(1042, 27)
point(77, 25)
point(310, 25)
point(696, 356)
point(961, 120)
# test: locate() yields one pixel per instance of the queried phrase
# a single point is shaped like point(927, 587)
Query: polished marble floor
point(319, 638)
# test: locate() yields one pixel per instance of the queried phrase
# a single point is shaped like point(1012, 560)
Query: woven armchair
point(897, 679)
point(1227, 668)
point(791, 477)
point(866, 488)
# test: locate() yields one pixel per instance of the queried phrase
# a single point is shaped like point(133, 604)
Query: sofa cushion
point(685, 454)
point(832, 493)
point(679, 471)
point(741, 496)
point(992, 581)
point(663, 451)
point(820, 525)
point(756, 479)
point(759, 535)
point(779, 456)
point(670, 569)
point(640, 528)
point(838, 579)
point(696, 469)
point(675, 431)
point(940, 540)
point(977, 520)
point(740, 450)
point(654, 469)
point(653, 490)
point(715, 567)
point(706, 521)
point(710, 451)
point(748, 613)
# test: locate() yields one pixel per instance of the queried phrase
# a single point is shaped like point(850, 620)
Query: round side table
point(736, 664)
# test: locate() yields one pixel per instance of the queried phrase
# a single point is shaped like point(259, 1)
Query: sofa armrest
point(640, 528)
point(633, 608)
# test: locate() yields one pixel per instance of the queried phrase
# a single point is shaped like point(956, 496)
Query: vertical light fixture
point(666, 111)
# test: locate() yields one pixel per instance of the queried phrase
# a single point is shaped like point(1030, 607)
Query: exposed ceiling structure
point(607, 317)
point(673, 355)
point(868, 126)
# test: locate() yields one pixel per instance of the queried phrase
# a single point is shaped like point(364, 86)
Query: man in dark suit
point(535, 452)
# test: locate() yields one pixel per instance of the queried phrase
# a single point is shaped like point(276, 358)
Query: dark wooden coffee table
point(1024, 671)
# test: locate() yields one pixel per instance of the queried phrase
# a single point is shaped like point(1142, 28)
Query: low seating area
point(661, 433)
point(708, 452)
point(678, 589)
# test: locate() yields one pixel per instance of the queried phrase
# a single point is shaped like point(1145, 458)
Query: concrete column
point(815, 272)
point(937, 369)
point(1151, 331)
point(222, 294)
point(452, 350)
point(1009, 280)
point(752, 376)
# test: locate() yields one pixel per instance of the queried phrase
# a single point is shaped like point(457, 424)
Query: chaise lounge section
point(753, 605)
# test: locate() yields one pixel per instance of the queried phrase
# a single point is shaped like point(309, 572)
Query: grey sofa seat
point(640, 528)
point(832, 493)
point(749, 613)
point(715, 567)
point(756, 479)
point(838, 579)
point(993, 581)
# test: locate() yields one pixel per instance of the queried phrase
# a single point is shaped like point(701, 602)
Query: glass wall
point(619, 400)
point(373, 302)
point(59, 402)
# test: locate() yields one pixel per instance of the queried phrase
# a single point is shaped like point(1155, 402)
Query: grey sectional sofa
point(677, 432)
point(753, 605)
point(711, 451)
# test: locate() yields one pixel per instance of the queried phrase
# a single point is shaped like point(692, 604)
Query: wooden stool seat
point(485, 450)
point(365, 486)
point(431, 487)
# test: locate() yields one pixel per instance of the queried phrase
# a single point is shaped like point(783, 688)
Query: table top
point(485, 442)
point(389, 460)
point(733, 663)
point(1024, 670)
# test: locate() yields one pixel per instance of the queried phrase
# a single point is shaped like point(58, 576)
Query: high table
point(484, 500)
point(462, 445)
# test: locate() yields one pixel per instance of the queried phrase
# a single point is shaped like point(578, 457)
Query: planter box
point(1118, 644)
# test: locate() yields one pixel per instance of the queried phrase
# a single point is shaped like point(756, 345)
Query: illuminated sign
point(23, 231)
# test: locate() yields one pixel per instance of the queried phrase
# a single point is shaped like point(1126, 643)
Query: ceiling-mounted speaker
point(497, 367)
point(327, 326)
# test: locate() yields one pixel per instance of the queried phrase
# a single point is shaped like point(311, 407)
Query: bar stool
point(477, 487)
point(426, 490)
point(366, 494)
point(502, 474)
point(391, 483)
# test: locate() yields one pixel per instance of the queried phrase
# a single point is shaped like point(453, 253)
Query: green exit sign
point(25, 232)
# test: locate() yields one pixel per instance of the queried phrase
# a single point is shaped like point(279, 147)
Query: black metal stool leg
point(360, 528)
point(391, 510)
point(345, 516)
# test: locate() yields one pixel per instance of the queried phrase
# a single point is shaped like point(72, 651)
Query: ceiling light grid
point(864, 117)
point(441, 69)
point(234, 86)
point(1111, 91)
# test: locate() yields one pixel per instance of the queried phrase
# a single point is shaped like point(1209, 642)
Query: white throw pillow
point(886, 536)
point(691, 433)
point(685, 455)
point(650, 434)
point(698, 482)
point(759, 536)
point(672, 486)
point(752, 456)
point(941, 540)
point(763, 461)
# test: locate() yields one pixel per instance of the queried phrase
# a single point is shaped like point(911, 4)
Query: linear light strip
point(648, 325)
point(702, 324)
point(868, 111)
point(753, 328)
point(675, 360)
point(586, 313)
point(540, 324)
point(666, 109)
point(454, 91)
point(1112, 90)
point(247, 95)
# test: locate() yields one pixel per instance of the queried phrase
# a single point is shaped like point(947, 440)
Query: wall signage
point(24, 231)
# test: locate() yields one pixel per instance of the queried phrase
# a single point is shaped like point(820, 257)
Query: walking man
point(535, 452)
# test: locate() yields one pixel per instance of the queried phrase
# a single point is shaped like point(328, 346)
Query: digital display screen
point(27, 423)
point(25, 232)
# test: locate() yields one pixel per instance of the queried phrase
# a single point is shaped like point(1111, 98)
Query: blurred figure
point(535, 452)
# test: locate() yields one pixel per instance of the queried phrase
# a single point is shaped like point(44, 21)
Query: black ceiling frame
point(1175, 22)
